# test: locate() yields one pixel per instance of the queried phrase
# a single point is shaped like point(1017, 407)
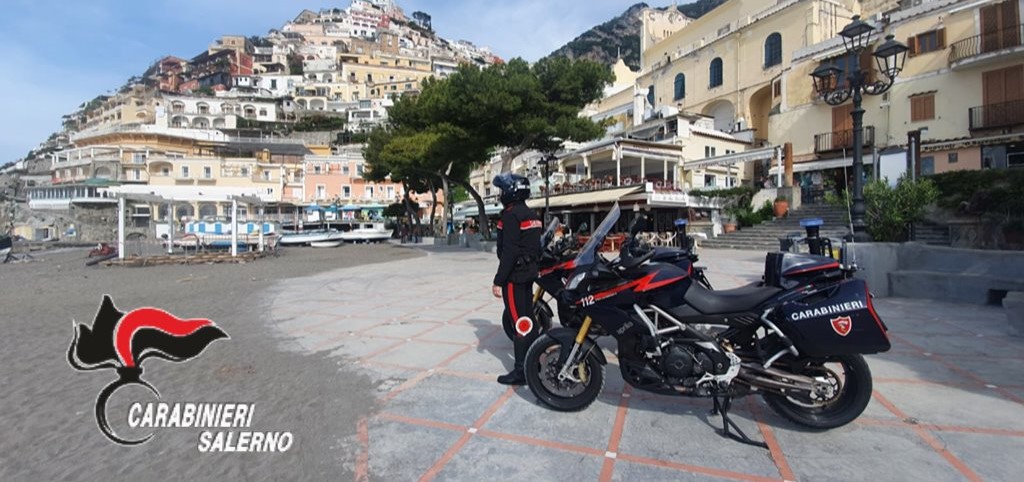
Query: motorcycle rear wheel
point(542, 369)
point(851, 397)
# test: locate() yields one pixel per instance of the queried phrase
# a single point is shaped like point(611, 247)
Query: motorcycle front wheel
point(542, 370)
point(842, 394)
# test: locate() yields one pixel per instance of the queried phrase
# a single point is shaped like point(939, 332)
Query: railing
point(839, 140)
point(996, 115)
point(987, 42)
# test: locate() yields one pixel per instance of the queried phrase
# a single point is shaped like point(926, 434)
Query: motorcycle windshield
point(588, 254)
point(549, 233)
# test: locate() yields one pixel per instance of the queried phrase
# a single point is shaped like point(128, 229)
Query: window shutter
point(912, 45)
point(915, 109)
point(940, 38)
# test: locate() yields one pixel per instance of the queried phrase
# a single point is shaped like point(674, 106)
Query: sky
point(58, 54)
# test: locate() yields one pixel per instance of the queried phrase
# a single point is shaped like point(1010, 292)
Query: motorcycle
point(797, 338)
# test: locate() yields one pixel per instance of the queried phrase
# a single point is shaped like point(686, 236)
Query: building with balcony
point(962, 89)
point(339, 178)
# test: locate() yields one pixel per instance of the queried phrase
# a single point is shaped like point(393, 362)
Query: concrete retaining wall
point(915, 270)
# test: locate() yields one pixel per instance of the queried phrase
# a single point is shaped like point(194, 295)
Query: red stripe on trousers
point(512, 303)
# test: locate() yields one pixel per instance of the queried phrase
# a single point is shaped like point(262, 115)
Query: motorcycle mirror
point(583, 229)
point(639, 224)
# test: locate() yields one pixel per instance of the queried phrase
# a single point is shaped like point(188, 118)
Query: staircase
point(765, 236)
point(931, 233)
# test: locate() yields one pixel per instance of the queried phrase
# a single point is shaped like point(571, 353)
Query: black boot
point(514, 377)
point(518, 376)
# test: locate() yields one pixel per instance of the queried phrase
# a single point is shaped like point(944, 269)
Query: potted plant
point(729, 223)
point(781, 206)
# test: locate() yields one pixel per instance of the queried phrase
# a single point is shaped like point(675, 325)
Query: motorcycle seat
point(728, 301)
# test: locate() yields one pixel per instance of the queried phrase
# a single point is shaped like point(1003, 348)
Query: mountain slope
point(621, 35)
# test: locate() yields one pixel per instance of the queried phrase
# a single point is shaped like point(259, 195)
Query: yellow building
point(961, 89)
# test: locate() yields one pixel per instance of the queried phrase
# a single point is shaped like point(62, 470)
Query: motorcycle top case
point(835, 320)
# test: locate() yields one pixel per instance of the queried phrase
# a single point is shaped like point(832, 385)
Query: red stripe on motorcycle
point(535, 223)
point(659, 284)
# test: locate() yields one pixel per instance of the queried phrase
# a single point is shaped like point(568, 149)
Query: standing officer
point(519, 251)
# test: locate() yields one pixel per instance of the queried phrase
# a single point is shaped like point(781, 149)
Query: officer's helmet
point(513, 187)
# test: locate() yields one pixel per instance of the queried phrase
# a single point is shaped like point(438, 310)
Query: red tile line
point(929, 439)
point(363, 457)
point(954, 367)
point(696, 469)
point(773, 444)
point(939, 428)
point(439, 465)
point(575, 448)
point(608, 468)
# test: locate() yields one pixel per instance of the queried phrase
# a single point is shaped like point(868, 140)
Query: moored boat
point(367, 233)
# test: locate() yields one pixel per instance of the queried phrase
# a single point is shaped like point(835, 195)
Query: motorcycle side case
point(838, 319)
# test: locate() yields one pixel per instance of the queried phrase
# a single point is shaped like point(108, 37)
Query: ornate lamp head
point(890, 57)
point(856, 35)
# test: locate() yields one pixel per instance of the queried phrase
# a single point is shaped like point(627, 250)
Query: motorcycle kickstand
point(722, 408)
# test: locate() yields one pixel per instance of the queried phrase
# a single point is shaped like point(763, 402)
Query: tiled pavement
point(947, 403)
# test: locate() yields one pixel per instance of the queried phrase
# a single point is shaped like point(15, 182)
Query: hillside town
point(279, 118)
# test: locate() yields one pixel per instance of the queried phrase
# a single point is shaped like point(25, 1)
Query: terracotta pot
point(781, 208)
point(729, 227)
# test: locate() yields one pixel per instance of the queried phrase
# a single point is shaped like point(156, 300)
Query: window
point(346, 192)
point(316, 169)
point(777, 89)
point(263, 112)
point(953, 157)
point(391, 192)
point(715, 72)
point(927, 165)
point(927, 42)
point(266, 175)
point(321, 191)
point(165, 171)
point(136, 175)
point(207, 172)
point(710, 180)
point(139, 157)
point(650, 95)
point(730, 181)
point(359, 169)
point(773, 50)
point(245, 171)
point(680, 87)
point(184, 171)
point(922, 107)
point(344, 170)
point(710, 151)
point(368, 192)
point(273, 84)
point(203, 108)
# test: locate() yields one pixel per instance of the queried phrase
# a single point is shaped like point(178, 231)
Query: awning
point(762, 154)
point(585, 198)
point(472, 210)
point(350, 207)
point(821, 165)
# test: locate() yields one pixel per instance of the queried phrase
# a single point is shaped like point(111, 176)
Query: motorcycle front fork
point(566, 373)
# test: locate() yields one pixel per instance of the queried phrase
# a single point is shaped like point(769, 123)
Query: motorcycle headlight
point(575, 281)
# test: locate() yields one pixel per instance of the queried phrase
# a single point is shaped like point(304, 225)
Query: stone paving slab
point(947, 403)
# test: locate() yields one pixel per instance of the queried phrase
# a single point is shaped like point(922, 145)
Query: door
point(1000, 26)
point(1003, 95)
point(842, 127)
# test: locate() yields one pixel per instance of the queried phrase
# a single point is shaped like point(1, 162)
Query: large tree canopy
point(457, 123)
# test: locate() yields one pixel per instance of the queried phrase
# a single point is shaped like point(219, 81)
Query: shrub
point(993, 194)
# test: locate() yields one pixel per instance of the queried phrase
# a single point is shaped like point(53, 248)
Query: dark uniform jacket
point(519, 247)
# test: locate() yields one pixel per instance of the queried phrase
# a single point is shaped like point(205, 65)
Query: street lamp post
point(889, 57)
point(546, 163)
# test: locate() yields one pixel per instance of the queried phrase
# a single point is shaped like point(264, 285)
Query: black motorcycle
point(797, 338)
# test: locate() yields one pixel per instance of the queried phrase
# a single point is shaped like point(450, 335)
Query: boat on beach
point(367, 233)
point(327, 244)
point(308, 237)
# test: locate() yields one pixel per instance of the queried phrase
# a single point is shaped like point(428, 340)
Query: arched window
point(680, 87)
point(650, 95)
point(715, 73)
point(773, 50)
